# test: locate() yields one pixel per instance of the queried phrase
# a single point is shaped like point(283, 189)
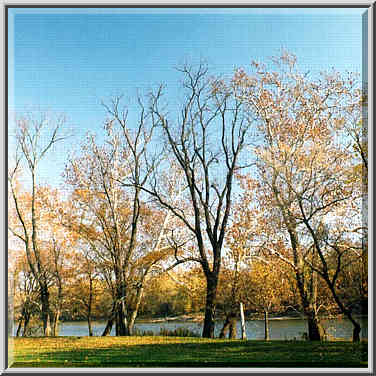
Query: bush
point(178, 332)
point(142, 333)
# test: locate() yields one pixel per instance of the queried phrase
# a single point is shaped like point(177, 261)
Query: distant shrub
point(142, 333)
point(178, 332)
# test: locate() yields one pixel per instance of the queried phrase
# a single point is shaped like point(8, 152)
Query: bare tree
point(206, 140)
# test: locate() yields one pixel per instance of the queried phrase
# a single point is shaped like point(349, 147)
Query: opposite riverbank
point(200, 318)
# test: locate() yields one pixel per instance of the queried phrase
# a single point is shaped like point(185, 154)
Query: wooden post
point(244, 336)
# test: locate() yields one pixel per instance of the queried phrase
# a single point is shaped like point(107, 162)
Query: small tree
point(26, 295)
point(268, 289)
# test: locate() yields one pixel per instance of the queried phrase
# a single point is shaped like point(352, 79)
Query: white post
point(244, 336)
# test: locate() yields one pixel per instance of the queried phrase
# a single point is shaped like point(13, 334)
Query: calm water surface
point(282, 329)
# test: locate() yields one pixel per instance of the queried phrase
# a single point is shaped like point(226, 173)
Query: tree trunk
point(121, 321)
point(232, 329)
point(211, 294)
point(356, 332)
point(134, 313)
point(229, 326)
point(266, 320)
point(55, 323)
point(45, 300)
point(242, 321)
point(225, 328)
point(357, 328)
point(116, 324)
point(110, 322)
point(131, 324)
point(308, 302)
point(89, 326)
point(107, 329)
point(90, 303)
point(19, 327)
point(26, 324)
point(331, 284)
point(315, 329)
point(121, 316)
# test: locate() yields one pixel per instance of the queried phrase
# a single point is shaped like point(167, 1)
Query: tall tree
point(35, 137)
point(102, 208)
point(111, 214)
point(206, 140)
point(304, 162)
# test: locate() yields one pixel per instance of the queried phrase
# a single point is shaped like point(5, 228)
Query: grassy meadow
point(183, 352)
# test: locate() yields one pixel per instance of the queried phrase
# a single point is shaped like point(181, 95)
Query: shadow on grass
point(215, 354)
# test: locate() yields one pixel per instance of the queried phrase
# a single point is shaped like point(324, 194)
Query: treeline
point(250, 190)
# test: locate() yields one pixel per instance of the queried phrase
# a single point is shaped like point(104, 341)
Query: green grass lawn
point(183, 352)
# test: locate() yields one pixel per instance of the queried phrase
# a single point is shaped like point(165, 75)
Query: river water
point(280, 329)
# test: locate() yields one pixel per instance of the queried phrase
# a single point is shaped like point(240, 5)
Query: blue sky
point(68, 60)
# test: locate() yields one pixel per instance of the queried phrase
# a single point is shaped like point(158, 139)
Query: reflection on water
point(279, 329)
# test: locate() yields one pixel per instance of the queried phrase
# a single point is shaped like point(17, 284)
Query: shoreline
point(200, 319)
